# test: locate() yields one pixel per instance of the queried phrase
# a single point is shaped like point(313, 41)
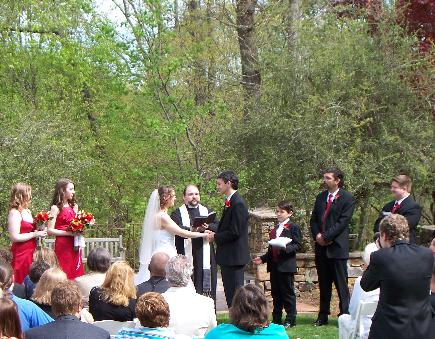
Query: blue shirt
point(30, 314)
point(229, 331)
point(145, 332)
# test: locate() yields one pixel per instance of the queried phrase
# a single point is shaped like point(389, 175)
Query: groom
point(231, 237)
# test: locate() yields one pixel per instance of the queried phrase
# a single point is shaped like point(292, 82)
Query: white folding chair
point(113, 326)
point(364, 309)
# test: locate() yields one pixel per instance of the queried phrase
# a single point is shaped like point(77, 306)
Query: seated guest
point(98, 263)
point(36, 270)
point(66, 303)
point(403, 273)
point(153, 313)
point(49, 280)
point(30, 314)
point(46, 254)
point(346, 322)
point(10, 326)
point(116, 298)
point(249, 318)
point(201, 316)
point(157, 282)
point(17, 289)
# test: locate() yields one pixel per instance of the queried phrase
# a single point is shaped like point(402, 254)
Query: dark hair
point(10, 326)
point(5, 255)
point(59, 194)
point(165, 193)
point(152, 310)
point(338, 174)
point(99, 260)
point(37, 269)
point(286, 206)
point(249, 310)
point(231, 177)
point(190, 185)
point(66, 298)
point(5, 276)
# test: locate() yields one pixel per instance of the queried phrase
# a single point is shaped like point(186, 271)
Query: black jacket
point(403, 272)
point(337, 223)
point(286, 258)
point(409, 209)
point(101, 309)
point(231, 238)
point(67, 327)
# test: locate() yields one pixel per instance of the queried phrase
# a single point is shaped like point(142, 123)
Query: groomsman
point(329, 222)
point(204, 271)
point(231, 237)
point(402, 204)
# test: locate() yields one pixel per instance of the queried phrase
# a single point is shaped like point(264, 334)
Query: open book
point(204, 219)
point(280, 242)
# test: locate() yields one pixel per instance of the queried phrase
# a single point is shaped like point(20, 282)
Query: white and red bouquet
point(39, 222)
point(78, 225)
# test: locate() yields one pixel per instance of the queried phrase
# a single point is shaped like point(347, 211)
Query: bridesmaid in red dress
point(63, 210)
point(22, 231)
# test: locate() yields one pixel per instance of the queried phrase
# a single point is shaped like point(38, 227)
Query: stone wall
point(261, 221)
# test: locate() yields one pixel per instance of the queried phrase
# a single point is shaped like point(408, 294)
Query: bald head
point(158, 263)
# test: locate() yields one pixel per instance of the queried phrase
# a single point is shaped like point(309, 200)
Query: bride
point(159, 230)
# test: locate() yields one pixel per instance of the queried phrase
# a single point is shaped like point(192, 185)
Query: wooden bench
point(113, 245)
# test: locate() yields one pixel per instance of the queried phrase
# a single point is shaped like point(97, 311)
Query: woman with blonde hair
point(116, 298)
point(21, 230)
point(42, 293)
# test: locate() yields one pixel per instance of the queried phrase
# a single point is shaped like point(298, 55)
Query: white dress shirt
point(281, 227)
point(191, 314)
point(333, 195)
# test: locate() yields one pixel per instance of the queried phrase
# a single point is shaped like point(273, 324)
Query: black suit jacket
point(409, 209)
point(67, 327)
point(286, 258)
point(337, 223)
point(403, 272)
point(231, 238)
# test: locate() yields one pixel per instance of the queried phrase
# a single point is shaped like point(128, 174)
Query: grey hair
point(178, 271)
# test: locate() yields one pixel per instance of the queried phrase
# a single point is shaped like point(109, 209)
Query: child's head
point(45, 254)
point(284, 210)
point(37, 269)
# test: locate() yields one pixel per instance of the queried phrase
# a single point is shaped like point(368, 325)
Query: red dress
point(69, 260)
point(22, 253)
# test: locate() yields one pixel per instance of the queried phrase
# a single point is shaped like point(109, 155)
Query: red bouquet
point(81, 221)
point(41, 218)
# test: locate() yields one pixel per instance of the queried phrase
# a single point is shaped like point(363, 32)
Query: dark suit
point(331, 260)
point(232, 246)
point(409, 209)
point(282, 271)
point(67, 327)
point(403, 273)
point(197, 251)
point(154, 284)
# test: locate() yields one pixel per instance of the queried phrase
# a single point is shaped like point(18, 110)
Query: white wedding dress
point(153, 239)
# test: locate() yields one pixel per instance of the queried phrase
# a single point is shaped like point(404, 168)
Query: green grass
point(304, 327)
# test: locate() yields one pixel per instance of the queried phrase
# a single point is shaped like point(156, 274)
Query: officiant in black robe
point(205, 281)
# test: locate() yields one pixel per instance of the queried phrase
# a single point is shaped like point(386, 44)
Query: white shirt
point(333, 195)
point(399, 202)
point(281, 227)
point(192, 314)
point(229, 197)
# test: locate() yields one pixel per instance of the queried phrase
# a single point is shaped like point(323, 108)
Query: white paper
point(280, 242)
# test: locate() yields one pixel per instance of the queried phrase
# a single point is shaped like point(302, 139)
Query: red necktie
point(275, 251)
point(328, 207)
point(395, 207)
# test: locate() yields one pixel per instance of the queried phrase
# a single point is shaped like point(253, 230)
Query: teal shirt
point(229, 331)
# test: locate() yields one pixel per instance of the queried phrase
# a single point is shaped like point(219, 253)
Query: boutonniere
point(227, 203)
point(337, 196)
point(287, 226)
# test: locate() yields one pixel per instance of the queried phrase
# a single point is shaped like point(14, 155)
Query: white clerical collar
point(399, 202)
point(229, 197)
point(190, 206)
